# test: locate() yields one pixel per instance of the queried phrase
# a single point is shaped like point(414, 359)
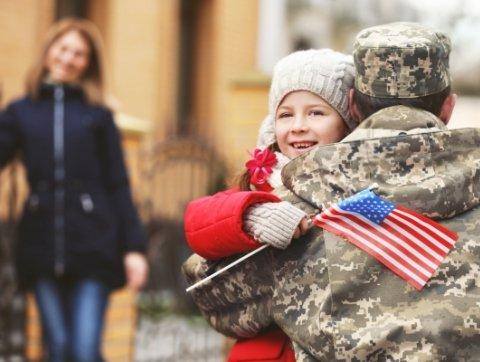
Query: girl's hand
point(302, 228)
point(136, 269)
point(275, 223)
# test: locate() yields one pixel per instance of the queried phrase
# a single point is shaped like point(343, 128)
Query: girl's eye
point(316, 113)
point(285, 115)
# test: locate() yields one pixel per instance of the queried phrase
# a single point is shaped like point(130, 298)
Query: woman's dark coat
point(79, 218)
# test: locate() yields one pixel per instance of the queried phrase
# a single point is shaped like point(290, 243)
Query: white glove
point(275, 223)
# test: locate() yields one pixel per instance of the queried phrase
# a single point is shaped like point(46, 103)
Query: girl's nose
point(299, 124)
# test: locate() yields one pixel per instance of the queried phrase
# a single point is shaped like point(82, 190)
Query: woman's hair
point(92, 81)
point(242, 181)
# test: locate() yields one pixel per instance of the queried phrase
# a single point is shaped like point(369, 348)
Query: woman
point(79, 236)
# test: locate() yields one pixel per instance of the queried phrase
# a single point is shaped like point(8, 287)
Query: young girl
point(308, 106)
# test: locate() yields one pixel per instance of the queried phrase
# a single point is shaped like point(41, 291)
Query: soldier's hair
point(368, 105)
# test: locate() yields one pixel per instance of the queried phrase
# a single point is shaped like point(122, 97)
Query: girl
point(308, 106)
point(79, 236)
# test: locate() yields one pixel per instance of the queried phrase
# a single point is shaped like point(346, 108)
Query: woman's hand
point(136, 269)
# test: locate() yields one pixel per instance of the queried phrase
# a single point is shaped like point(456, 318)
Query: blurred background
point(189, 80)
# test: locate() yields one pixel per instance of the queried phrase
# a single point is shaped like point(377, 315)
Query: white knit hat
point(324, 72)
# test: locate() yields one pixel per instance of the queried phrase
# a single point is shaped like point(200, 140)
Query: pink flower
point(260, 167)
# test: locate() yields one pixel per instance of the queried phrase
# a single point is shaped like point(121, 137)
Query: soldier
point(401, 64)
point(332, 299)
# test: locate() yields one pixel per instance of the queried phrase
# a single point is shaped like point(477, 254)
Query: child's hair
point(324, 72)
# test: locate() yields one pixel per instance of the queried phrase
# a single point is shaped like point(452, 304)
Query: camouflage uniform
point(401, 60)
point(337, 302)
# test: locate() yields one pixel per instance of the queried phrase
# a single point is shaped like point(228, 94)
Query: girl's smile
point(303, 121)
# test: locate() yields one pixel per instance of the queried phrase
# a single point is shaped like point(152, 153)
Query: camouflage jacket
point(335, 301)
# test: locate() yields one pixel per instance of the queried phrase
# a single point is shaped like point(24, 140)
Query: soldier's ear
point(353, 108)
point(447, 108)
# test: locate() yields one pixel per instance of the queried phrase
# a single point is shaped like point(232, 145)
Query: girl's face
point(304, 120)
point(68, 58)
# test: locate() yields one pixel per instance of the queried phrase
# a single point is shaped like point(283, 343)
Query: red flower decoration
point(260, 167)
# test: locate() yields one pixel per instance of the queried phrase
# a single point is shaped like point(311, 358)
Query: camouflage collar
point(394, 121)
point(435, 173)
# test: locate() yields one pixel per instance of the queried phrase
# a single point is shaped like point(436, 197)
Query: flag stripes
point(372, 249)
point(409, 244)
point(427, 260)
point(449, 236)
point(438, 245)
point(405, 232)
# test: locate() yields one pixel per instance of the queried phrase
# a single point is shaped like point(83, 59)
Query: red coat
point(213, 224)
point(214, 230)
point(272, 346)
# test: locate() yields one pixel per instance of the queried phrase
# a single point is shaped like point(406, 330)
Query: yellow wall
point(247, 107)
point(237, 36)
point(142, 52)
point(225, 51)
point(22, 26)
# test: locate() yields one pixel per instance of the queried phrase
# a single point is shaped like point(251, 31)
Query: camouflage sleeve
point(237, 302)
point(301, 355)
point(301, 304)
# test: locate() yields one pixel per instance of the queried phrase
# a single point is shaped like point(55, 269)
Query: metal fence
point(12, 302)
point(177, 171)
point(178, 338)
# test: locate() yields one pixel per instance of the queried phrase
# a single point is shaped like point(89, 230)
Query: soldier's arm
point(237, 302)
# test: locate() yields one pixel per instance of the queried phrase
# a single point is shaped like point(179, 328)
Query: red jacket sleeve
point(213, 224)
point(271, 346)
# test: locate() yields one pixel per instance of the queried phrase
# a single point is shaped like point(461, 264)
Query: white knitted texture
point(275, 178)
point(266, 133)
point(327, 73)
point(272, 223)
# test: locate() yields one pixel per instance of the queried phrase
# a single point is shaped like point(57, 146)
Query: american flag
point(409, 244)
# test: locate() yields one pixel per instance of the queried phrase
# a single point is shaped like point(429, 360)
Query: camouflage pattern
point(335, 301)
point(401, 60)
point(229, 301)
point(395, 121)
point(228, 308)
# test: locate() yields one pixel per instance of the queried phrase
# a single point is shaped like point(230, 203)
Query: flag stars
point(369, 205)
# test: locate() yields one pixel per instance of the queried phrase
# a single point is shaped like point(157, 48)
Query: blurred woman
point(79, 236)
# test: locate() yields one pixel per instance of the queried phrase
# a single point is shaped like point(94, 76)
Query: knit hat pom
point(266, 134)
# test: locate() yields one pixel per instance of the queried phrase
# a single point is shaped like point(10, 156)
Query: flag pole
point(218, 272)
point(246, 256)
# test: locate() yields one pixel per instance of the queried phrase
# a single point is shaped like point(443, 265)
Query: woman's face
point(305, 120)
point(68, 58)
